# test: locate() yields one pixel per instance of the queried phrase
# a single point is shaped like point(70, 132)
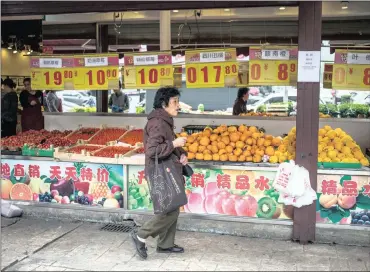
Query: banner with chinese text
point(351, 70)
point(343, 199)
point(52, 73)
point(149, 70)
point(218, 191)
point(328, 76)
point(96, 72)
point(273, 66)
point(211, 68)
point(63, 182)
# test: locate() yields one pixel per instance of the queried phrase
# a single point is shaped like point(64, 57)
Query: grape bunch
point(139, 198)
point(46, 197)
point(361, 218)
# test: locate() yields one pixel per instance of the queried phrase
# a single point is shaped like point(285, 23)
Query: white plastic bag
point(309, 194)
point(9, 210)
point(281, 181)
point(297, 179)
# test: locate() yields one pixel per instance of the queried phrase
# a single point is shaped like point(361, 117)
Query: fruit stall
point(234, 166)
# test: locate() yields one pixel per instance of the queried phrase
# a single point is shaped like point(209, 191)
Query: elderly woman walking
point(159, 140)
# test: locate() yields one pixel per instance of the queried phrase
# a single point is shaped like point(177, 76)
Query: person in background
point(240, 105)
point(9, 108)
point(31, 102)
point(52, 102)
point(118, 101)
point(159, 140)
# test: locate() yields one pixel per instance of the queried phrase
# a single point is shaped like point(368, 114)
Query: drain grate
point(124, 227)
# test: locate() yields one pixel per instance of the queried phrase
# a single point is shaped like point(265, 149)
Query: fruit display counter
point(234, 166)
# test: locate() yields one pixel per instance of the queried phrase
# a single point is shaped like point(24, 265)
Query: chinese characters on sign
point(309, 66)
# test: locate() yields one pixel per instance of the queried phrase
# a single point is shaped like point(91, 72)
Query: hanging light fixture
point(344, 5)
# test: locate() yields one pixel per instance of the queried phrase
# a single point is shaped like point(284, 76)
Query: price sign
point(52, 73)
point(210, 68)
point(328, 76)
point(273, 66)
point(96, 72)
point(351, 70)
point(148, 70)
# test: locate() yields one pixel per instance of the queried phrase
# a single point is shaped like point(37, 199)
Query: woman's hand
point(179, 142)
point(184, 159)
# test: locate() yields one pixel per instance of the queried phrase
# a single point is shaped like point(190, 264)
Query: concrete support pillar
point(308, 94)
point(165, 30)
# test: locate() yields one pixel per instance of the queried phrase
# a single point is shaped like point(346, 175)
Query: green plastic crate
point(341, 165)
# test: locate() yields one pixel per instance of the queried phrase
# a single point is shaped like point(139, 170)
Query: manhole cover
point(125, 227)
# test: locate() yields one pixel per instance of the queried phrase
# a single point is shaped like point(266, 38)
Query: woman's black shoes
point(174, 249)
point(140, 246)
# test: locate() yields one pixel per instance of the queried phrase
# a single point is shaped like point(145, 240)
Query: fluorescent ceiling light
point(226, 10)
point(175, 10)
point(282, 8)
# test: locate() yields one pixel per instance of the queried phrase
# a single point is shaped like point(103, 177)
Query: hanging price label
point(351, 70)
point(328, 76)
point(211, 68)
point(351, 77)
point(273, 66)
point(148, 70)
point(270, 72)
point(52, 73)
point(96, 72)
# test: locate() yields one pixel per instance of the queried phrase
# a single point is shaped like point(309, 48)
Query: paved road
point(74, 246)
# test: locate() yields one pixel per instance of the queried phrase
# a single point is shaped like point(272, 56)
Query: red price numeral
point(292, 67)
point(191, 74)
point(57, 78)
point(112, 73)
point(283, 71)
point(339, 75)
point(153, 76)
point(68, 74)
point(255, 71)
point(205, 73)
point(165, 71)
point(100, 77)
point(231, 69)
point(367, 76)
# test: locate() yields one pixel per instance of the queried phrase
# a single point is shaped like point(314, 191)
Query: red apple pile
point(83, 134)
point(133, 137)
point(107, 135)
point(89, 148)
point(111, 151)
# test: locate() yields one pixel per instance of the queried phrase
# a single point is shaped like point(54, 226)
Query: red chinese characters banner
point(343, 199)
point(63, 182)
point(351, 70)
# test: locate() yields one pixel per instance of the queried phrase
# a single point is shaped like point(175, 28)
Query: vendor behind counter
point(240, 105)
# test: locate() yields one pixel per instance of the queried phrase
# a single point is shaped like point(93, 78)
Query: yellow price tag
point(351, 77)
point(96, 78)
point(154, 76)
point(52, 79)
point(267, 72)
point(129, 77)
point(205, 75)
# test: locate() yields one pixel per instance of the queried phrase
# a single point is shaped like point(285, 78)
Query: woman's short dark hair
point(9, 82)
point(27, 79)
point(242, 92)
point(163, 95)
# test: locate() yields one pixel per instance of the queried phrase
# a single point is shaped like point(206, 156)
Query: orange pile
point(233, 143)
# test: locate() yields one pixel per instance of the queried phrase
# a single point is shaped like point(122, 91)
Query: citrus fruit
point(6, 186)
point(21, 191)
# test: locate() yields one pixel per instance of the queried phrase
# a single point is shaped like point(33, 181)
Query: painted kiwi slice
point(266, 207)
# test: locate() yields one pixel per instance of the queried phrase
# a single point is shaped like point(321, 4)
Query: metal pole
point(165, 30)
point(102, 47)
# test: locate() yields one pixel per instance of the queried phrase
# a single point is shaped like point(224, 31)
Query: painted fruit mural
point(216, 191)
point(63, 182)
point(343, 200)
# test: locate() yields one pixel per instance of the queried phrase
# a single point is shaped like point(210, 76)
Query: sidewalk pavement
point(51, 245)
